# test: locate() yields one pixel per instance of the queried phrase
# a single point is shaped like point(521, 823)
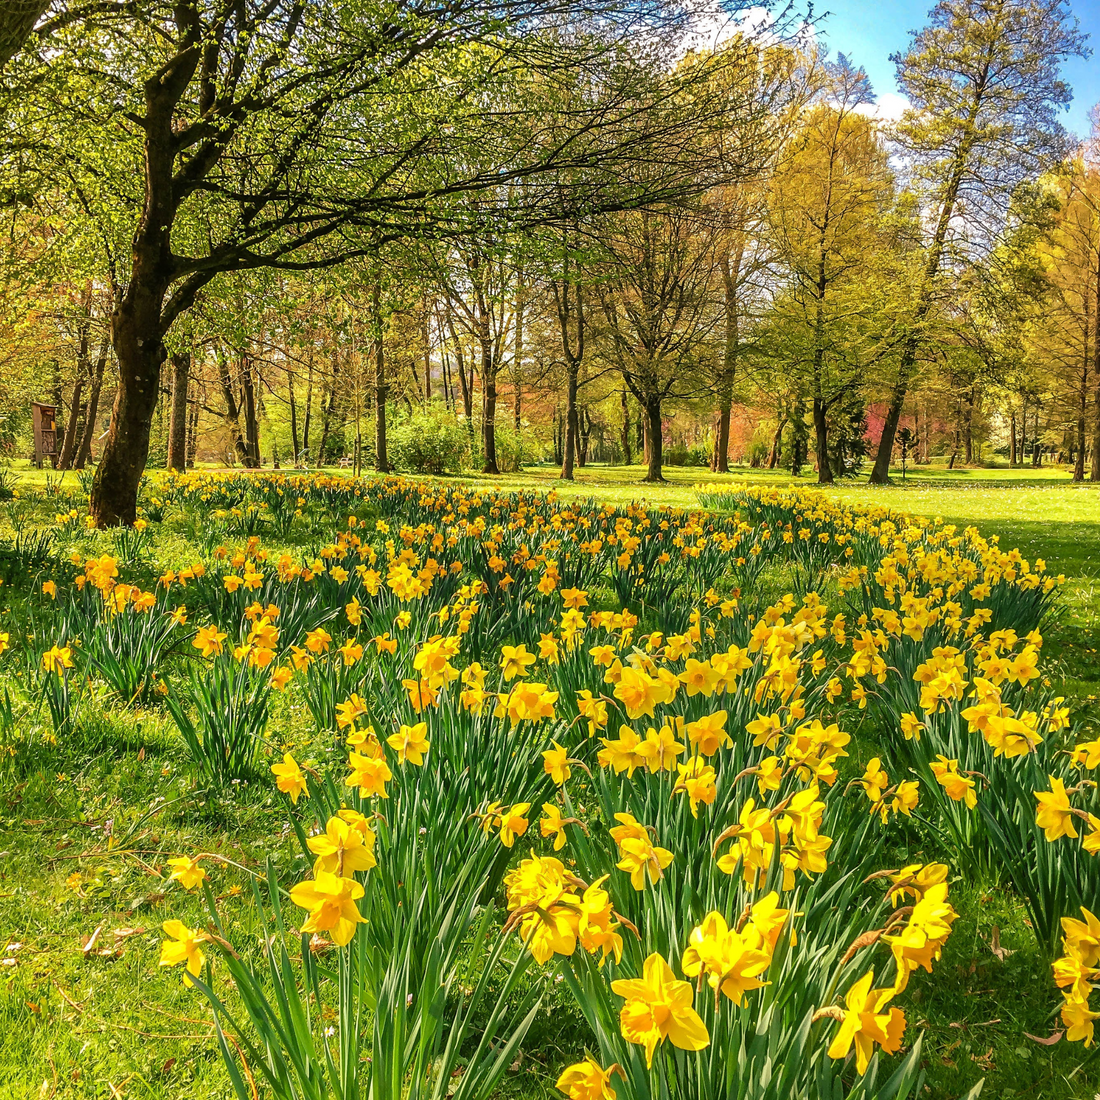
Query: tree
point(1070, 341)
point(784, 78)
point(983, 83)
point(657, 305)
point(189, 116)
point(744, 255)
point(477, 276)
point(827, 208)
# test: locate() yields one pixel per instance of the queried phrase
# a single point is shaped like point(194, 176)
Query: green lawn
point(105, 1023)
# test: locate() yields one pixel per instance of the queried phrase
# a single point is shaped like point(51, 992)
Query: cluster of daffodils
point(1075, 972)
point(345, 848)
point(554, 911)
point(794, 825)
point(887, 798)
point(713, 750)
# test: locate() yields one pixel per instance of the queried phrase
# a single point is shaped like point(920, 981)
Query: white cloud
point(889, 107)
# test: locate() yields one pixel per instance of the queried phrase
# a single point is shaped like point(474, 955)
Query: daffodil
point(1055, 814)
point(659, 1007)
point(556, 763)
point(514, 661)
point(289, 777)
point(411, 743)
point(186, 872)
point(587, 1081)
point(866, 1022)
point(330, 900)
point(183, 948)
point(513, 823)
point(730, 961)
point(370, 774)
point(343, 848)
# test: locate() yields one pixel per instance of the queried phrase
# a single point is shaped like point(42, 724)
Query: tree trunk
point(68, 446)
point(721, 463)
point(329, 401)
point(968, 425)
point(489, 413)
point(309, 410)
point(1012, 438)
point(139, 319)
point(517, 357)
point(192, 434)
point(1082, 407)
point(251, 421)
point(232, 416)
point(84, 452)
point(880, 474)
point(17, 20)
point(1094, 473)
point(138, 337)
point(654, 443)
point(449, 395)
point(425, 336)
point(821, 444)
point(628, 450)
point(777, 444)
point(731, 269)
point(293, 417)
point(465, 381)
point(177, 423)
point(584, 432)
point(569, 447)
point(571, 331)
point(381, 389)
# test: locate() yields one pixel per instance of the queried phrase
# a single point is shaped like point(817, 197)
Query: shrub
point(429, 441)
point(677, 454)
point(516, 449)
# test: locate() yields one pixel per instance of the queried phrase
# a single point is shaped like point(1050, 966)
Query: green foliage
point(697, 455)
point(516, 449)
point(429, 441)
point(221, 711)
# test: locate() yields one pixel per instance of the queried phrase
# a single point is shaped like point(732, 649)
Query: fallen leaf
point(88, 943)
point(1002, 953)
point(1056, 1037)
point(984, 1060)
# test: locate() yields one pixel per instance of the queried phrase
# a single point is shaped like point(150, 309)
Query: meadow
point(315, 787)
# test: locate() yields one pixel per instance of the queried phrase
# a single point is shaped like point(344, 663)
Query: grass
point(104, 1023)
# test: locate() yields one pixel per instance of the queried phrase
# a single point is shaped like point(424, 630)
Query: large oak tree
point(227, 135)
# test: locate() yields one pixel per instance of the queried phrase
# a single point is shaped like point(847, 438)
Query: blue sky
point(868, 31)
